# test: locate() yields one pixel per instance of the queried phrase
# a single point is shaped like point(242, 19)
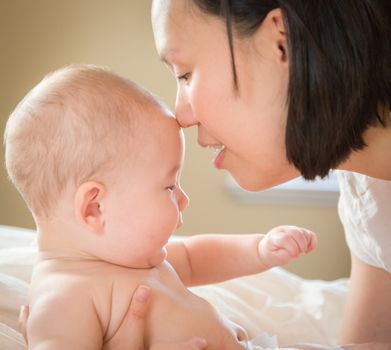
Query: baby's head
point(93, 152)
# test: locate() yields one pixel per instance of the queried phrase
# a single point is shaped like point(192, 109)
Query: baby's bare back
point(86, 301)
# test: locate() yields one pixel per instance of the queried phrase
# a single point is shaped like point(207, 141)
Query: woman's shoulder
point(364, 208)
point(356, 185)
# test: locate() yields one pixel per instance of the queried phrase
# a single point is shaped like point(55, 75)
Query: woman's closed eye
point(184, 77)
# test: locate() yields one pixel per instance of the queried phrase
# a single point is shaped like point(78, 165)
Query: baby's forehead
point(156, 112)
point(161, 125)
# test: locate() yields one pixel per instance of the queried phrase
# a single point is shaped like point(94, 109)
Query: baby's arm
point(213, 258)
point(64, 320)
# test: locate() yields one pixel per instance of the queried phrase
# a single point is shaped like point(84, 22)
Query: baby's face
point(146, 204)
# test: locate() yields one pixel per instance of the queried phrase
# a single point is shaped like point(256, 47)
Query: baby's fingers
point(313, 242)
point(284, 255)
point(132, 329)
point(305, 240)
point(310, 241)
point(279, 249)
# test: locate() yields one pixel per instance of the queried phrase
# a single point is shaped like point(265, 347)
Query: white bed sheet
point(277, 302)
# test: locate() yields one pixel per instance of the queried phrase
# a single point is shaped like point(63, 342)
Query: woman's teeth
point(218, 148)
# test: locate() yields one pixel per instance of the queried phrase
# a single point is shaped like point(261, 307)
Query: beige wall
point(41, 35)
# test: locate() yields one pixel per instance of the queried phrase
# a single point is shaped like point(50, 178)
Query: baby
point(98, 161)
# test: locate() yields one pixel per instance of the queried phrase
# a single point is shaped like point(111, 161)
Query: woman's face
point(249, 123)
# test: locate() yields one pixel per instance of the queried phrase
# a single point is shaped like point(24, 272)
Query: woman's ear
point(273, 30)
point(88, 205)
point(279, 24)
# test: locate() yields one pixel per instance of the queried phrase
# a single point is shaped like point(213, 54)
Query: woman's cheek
point(203, 104)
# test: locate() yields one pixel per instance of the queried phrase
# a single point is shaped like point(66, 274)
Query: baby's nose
point(183, 200)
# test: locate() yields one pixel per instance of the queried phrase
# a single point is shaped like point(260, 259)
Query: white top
point(365, 211)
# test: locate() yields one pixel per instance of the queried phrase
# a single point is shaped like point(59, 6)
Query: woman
point(284, 88)
point(289, 87)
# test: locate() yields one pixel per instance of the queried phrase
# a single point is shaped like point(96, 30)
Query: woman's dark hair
point(340, 71)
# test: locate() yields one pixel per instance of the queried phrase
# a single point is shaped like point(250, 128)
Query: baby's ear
point(88, 205)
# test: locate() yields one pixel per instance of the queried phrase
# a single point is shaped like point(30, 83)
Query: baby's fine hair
point(77, 124)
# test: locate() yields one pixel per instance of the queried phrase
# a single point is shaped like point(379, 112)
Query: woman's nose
point(183, 110)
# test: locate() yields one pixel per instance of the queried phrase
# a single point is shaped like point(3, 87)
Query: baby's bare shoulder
point(61, 295)
point(124, 282)
point(94, 288)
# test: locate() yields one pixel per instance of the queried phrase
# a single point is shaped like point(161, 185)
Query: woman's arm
point(138, 312)
point(137, 315)
point(368, 311)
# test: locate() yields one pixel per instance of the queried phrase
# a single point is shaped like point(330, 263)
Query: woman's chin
point(248, 184)
point(259, 183)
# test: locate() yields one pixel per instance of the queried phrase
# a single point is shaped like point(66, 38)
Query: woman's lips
point(219, 156)
point(219, 152)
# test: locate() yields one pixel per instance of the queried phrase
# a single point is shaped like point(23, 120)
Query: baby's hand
point(285, 243)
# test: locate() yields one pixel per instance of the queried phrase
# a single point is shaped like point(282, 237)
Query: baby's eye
point(170, 188)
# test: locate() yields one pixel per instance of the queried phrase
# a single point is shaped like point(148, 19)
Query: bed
point(276, 302)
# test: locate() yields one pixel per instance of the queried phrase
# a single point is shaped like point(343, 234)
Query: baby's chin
point(141, 262)
point(158, 258)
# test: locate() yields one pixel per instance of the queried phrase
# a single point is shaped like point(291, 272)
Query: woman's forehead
point(179, 25)
point(178, 15)
point(169, 15)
